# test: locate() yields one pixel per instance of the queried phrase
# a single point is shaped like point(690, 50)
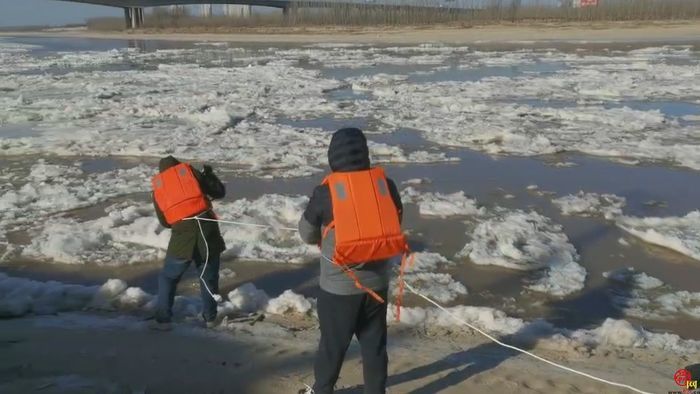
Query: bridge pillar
point(127, 18)
point(133, 16)
point(139, 16)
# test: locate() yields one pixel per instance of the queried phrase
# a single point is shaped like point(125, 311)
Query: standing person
point(181, 191)
point(355, 217)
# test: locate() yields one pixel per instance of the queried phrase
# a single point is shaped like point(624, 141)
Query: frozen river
point(547, 181)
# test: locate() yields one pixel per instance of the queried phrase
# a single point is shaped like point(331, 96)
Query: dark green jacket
point(186, 236)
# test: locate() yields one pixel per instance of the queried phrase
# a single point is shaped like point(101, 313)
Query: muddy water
point(488, 179)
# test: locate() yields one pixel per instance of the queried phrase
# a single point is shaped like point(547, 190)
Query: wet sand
point(120, 355)
point(589, 32)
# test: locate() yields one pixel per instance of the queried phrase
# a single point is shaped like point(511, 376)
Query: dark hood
point(167, 162)
point(348, 151)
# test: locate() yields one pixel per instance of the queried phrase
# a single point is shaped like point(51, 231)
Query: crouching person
point(355, 216)
point(180, 192)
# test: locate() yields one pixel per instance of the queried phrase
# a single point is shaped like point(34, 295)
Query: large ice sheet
point(591, 204)
point(528, 241)
point(646, 297)
point(681, 234)
point(188, 100)
point(442, 205)
point(425, 277)
point(130, 234)
point(279, 242)
point(52, 188)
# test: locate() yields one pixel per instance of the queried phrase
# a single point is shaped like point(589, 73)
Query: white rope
point(552, 363)
point(242, 223)
point(455, 317)
point(216, 297)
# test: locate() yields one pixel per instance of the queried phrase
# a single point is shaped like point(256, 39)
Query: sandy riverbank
point(594, 32)
point(118, 354)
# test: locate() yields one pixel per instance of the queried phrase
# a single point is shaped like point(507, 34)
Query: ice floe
point(611, 333)
point(278, 242)
point(646, 297)
point(446, 114)
point(130, 234)
point(423, 276)
point(591, 204)
point(200, 96)
point(51, 188)
point(528, 241)
point(681, 234)
point(441, 205)
point(621, 333)
point(20, 297)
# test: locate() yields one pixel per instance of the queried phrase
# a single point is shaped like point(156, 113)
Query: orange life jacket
point(365, 220)
point(178, 193)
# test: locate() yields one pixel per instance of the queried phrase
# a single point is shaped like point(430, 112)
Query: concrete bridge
point(133, 9)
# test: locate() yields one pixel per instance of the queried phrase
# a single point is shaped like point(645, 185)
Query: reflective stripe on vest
point(178, 193)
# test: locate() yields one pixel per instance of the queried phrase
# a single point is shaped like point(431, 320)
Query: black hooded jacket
point(185, 236)
point(347, 152)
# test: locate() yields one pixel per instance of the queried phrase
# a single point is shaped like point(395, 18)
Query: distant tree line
point(423, 12)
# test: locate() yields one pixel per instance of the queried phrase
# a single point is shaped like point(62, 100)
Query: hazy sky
point(49, 12)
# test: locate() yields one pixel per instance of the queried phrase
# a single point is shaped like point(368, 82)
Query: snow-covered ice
point(423, 275)
point(611, 333)
point(288, 301)
point(200, 95)
point(441, 205)
point(130, 233)
point(53, 188)
point(278, 242)
point(681, 234)
point(644, 296)
point(19, 297)
point(528, 241)
point(214, 113)
point(591, 204)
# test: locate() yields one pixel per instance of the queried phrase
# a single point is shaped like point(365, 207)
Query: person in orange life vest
point(181, 191)
point(345, 306)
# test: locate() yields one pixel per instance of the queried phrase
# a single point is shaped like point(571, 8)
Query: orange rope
point(359, 285)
